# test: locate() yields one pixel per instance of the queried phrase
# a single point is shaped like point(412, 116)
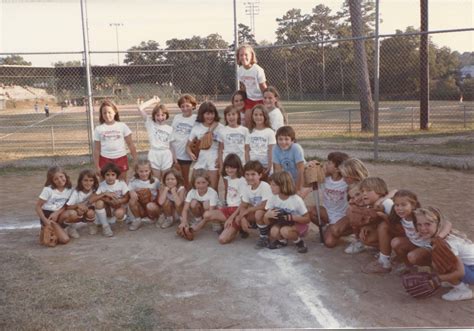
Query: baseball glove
point(421, 284)
point(206, 140)
point(185, 232)
point(443, 258)
point(283, 218)
point(48, 236)
point(144, 196)
point(361, 216)
point(195, 146)
point(314, 173)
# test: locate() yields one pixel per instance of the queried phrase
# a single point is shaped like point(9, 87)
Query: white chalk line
point(31, 125)
point(307, 293)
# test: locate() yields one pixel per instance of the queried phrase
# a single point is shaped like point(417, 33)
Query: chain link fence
point(317, 84)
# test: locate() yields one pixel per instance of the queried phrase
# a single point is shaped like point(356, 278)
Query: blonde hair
point(284, 181)
point(253, 58)
point(375, 184)
point(354, 168)
point(143, 163)
point(200, 173)
point(433, 215)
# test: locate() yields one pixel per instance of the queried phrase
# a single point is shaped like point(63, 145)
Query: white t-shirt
point(251, 78)
point(234, 140)
point(78, 197)
point(254, 197)
point(235, 188)
point(120, 188)
point(259, 142)
point(462, 248)
point(293, 205)
point(210, 195)
point(387, 205)
point(160, 136)
point(112, 139)
point(55, 199)
point(276, 119)
point(199, 130)
point(335, 199)
point(137, 183)
point(181, 129)
point(413, 235)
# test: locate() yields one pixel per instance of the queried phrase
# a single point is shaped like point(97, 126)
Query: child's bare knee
point(99, 204)
point(395, 243)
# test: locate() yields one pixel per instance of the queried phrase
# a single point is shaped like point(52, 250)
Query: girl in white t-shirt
point(277, 115)
point(262, 138)
point(409, 246)
point(200, 199)
point(110, 199)
point(286, 213)
point(238, 101)
point(143, 179)
point(51, 202)
point(234, 138)
point(182, 125)
point(429, 222)
point(110, 140)
point(78, 207)
point(171, 197)
point(207, 120)
point(234, 184)
point(161, 155)
point(251, 78)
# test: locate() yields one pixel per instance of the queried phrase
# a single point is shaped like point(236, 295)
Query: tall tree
point(362, 69)
point(136, 58)
point(14, 60)
point(245, 35)
point(75, 63)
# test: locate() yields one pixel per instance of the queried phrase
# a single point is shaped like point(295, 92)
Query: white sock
point(384, 260)
point(101, 216)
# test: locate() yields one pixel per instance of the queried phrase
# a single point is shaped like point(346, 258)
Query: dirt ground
point(151, 279)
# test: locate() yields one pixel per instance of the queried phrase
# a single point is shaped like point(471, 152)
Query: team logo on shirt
point(111, 135)
point(183, 129)
point(235, 138)
point(258, 143)
point(161, 135)
point(255, 200)
point(58, 202)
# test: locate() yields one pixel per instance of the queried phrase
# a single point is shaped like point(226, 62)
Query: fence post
point(413, 118)
point(53, 147)
point(350, 120)
point(465, 124)
point(138, 135)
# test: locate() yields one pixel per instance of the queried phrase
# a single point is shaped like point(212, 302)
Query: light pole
point(116, 25)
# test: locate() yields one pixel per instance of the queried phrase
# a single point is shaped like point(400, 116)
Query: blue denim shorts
point(468, 274)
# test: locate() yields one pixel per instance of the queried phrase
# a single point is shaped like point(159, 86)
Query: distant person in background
point(46, 110)
point(36, 107)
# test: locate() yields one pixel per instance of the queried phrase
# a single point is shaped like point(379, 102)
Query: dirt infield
point(151, 279)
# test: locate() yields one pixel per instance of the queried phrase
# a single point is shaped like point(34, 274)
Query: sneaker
point(146, 220)
point(136, 223)
point(375, 267)
point(262, 242)
point(277, 244)
point(195, 221)
point(107, 231)
point(217, 227)
point(243, 234)
point(72, 232)
point(458, 293)
point(167, 222)
point(160, 220)
point(301, 247)
point(355, 247)
point(92, 228)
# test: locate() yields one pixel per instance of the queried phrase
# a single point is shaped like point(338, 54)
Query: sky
point(56, 26)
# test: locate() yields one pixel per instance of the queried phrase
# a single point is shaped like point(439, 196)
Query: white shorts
point(206, 161)
point(160, 159)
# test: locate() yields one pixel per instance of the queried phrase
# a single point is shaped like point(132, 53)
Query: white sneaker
point(160, 220)
point(458, 293)
point(92, 227)
point(167, 222)
point(72, 232)
point(355, 247)
point(136, 223)
point(107, 231)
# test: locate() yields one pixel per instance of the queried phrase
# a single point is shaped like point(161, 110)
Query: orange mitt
point(361, 216)
point(443, 258)
point(195, 146)
point(206, 140)
point(48, 236)
point(185, 232)
point(144, 196)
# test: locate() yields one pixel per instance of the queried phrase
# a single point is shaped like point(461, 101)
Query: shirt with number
point(54, 199)
point(182, 127)
point(112, 139)
point(254, 197)
point(259, 142)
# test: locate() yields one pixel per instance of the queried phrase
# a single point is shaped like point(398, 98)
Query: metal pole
point(116, 25)
point(236, 45)
point(90, 105)
point(53, 147)
point(424, 68)
point(376, 82)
